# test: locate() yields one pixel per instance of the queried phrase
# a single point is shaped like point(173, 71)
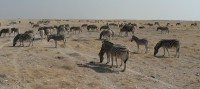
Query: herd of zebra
point(58, 33)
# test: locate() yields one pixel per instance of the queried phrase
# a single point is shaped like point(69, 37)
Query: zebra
point(166, 44)
point(178, 24)
point(157, 23)
point(61, 30)
point(127, 28)
point(15, 30)
point(74, 29)
point(84, 26)
point(5, 30)
point(29, 31)
point(56, 37)
point(23, 37)
point(35, 25)
point(140, 42)
point(105, 27)
point(107, 34)
point(92, 27)
point(114, 50)
point(163, 29)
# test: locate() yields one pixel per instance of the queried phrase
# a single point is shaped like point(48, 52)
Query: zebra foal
point(140, 42)
point(166, 29)
point(166, 44)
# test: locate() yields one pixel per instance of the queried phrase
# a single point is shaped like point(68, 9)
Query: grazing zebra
point(140, 42)
point(163, 29)
point(56, 37)
point(105, 27)
point(114, 50)
point(5, 30)
point(194, 24)
point(141, 27)
point(92, 27)
point(29, 31)
point(178, 24)
point(166, 44)
point(84, 26)
point(127, 28)
point(107, 34)
point(24, 37)
point(35, 25)
point(74, 29)
point(15, 30)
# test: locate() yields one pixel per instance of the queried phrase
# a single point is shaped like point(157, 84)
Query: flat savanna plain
point(76, 64)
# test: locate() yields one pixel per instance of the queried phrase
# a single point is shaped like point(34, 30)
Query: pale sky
point(101, 9)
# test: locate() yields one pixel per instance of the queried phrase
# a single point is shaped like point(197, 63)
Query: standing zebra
point(5, 30)
point(114, 50)
point(107, 34)
point(92, 27)
point(140, 42)
point(166, 44)
point(23, 37)
point(56, 37)
point(127, 28)
point(105, 27)
point(163, 29)
point(74, 29)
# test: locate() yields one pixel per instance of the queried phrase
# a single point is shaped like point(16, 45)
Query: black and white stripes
point(115, 51)
point(56, 37)
point(166, 44)
point(140, 42)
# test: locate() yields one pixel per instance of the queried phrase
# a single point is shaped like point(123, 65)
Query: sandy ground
point(76, 64)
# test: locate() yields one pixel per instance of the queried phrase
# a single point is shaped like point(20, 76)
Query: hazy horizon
point(101, 9)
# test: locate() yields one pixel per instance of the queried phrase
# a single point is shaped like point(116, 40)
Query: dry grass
point(76, 64)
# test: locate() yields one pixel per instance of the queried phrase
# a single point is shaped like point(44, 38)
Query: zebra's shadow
point(161, 56)
point(98, 67)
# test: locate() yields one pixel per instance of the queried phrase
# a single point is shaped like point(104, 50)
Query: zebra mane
point(158, 45)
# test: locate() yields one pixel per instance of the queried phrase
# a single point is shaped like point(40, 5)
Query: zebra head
point(134, 38)
point(15, 39)
point(156, 48)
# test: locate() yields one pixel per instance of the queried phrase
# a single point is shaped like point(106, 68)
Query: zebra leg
point(164, 51)
point(29, 43)
point(55, 44)
point(168, 52)
point(108, 57)
point(137, 48)
point(146, 48)
point(116, 62)
point(177, 52)
point(121, 63)
point(112, 61)
point(23, 43)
